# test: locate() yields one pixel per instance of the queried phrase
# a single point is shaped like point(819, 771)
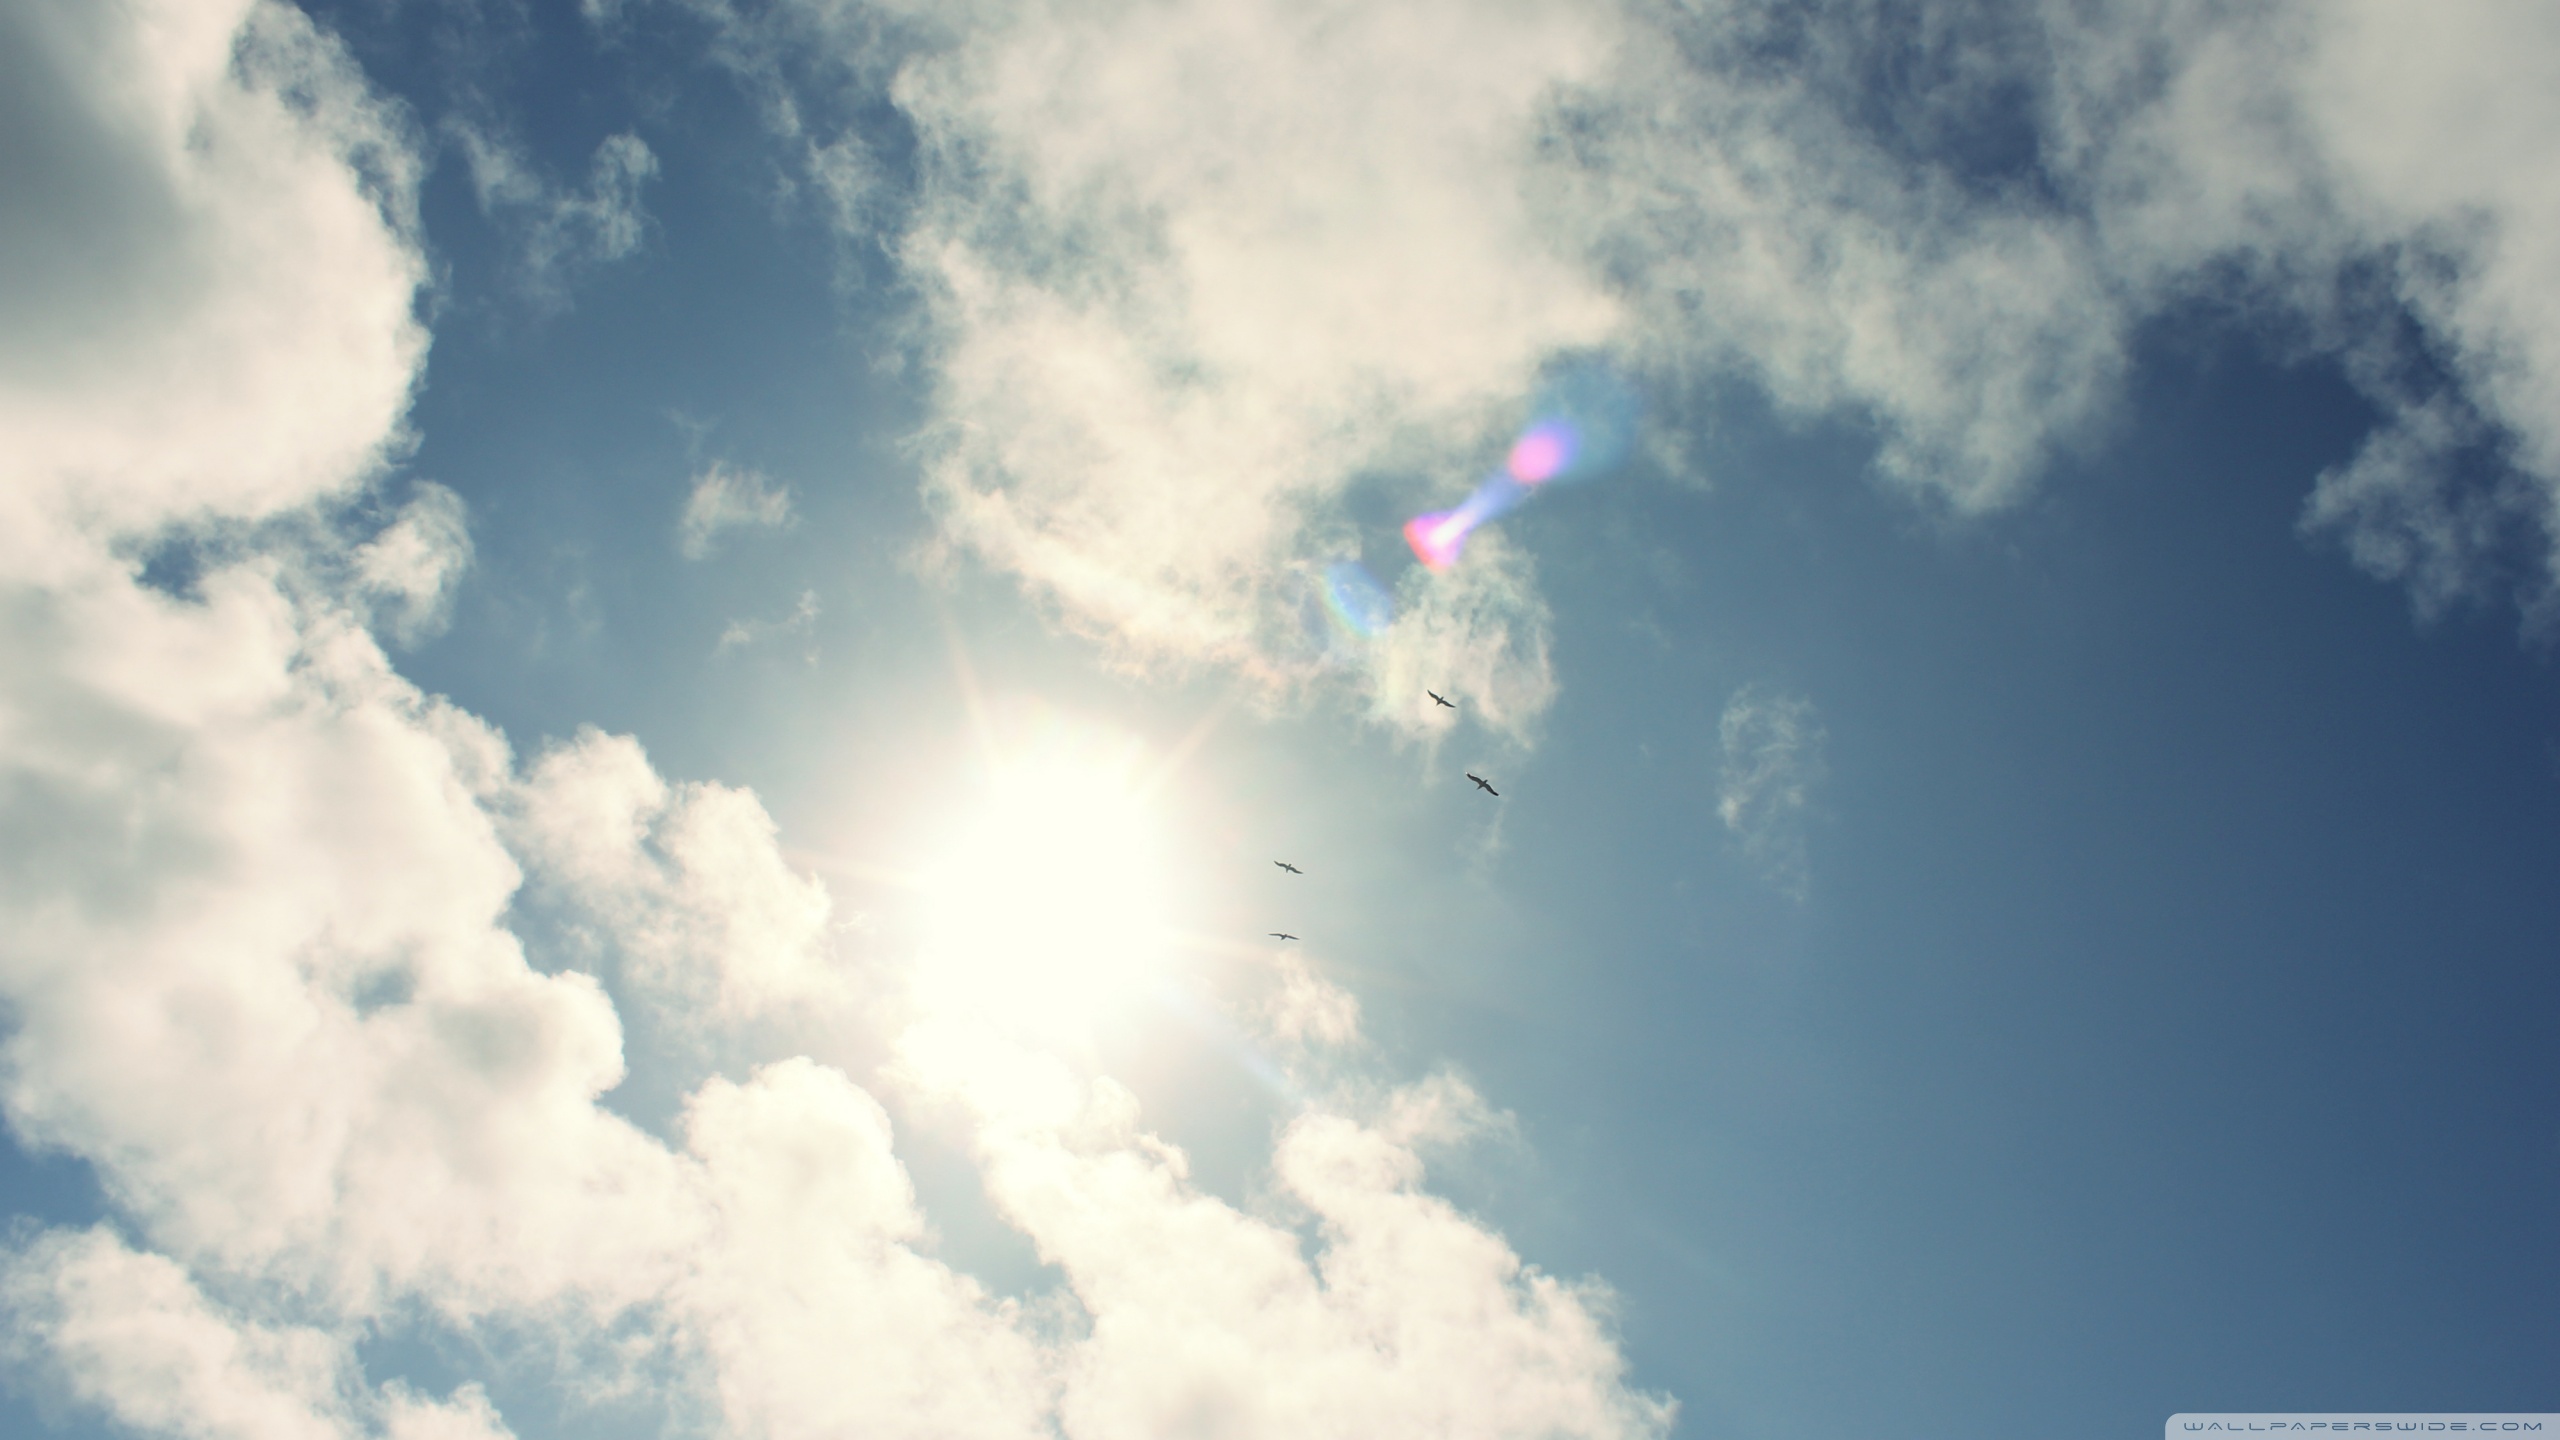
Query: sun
point(1046, 909)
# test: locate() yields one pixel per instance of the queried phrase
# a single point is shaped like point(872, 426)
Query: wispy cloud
point(802, 621)
point(559, 231)
point(2380, 173)
point(727, 497)
point(411, 568)
point(1963, 258)
point(1771, 745)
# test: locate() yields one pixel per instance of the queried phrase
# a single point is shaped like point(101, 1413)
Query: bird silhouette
point(1484, 785)
point(1276, 935)
point(1285, 865)
point(1434, 694)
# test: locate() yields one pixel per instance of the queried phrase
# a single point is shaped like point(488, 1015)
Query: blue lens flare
point(1594, 413)
point(1358, 603)
point(1584, 422)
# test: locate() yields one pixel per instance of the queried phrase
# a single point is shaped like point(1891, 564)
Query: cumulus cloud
point(818, 1312)
point(687, 883)
point(1772, 762)
point(1405, 1315)
point(130, 1334)
point(726, 497)
point(413, 565)
point(206, 271)
point(1196, 271)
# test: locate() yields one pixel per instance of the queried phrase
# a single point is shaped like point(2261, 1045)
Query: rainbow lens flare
point(1586, 417)
point(1357, 602)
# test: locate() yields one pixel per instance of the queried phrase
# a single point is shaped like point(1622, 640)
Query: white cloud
point(2377, 169)
point(1476, 633)
point(1405, 1318)
point(687, 882)
point(2370, 177)
point(1307, 1009)
point(206, 272)
point(1755, 228)
point(725, 497)
point(413, 566)
point(267, 991)
point(130, 1334)
point(819, 1313)
point(802, 621)
point(1194, 269)
point(2406, 514)
point(256, 960)
point(560, 233)
point(1772, 763)
point(251, 954)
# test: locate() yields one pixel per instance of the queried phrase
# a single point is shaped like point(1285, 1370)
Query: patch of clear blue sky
point(2169, 1024)
point(2166, 1019)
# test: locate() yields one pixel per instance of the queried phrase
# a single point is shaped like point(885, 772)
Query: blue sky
point(657, 651)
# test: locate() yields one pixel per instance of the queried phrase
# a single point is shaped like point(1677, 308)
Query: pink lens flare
point(1436, 538)
point(1546, 449)
point(1586, 417)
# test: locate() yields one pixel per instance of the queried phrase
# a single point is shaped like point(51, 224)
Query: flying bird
point(1276, 935)
point(1434, 694)
point(1285, 865)
point(1484, 785)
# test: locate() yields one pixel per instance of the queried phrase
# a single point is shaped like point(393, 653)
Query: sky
point(655, 655)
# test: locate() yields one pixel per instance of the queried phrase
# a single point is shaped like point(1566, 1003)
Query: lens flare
point(1542, 453)
point(1436, 538)
point(1357, 602)
point(1591, 412)
point(1585, 420)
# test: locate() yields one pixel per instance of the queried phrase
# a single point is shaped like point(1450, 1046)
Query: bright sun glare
point(1047, 909)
